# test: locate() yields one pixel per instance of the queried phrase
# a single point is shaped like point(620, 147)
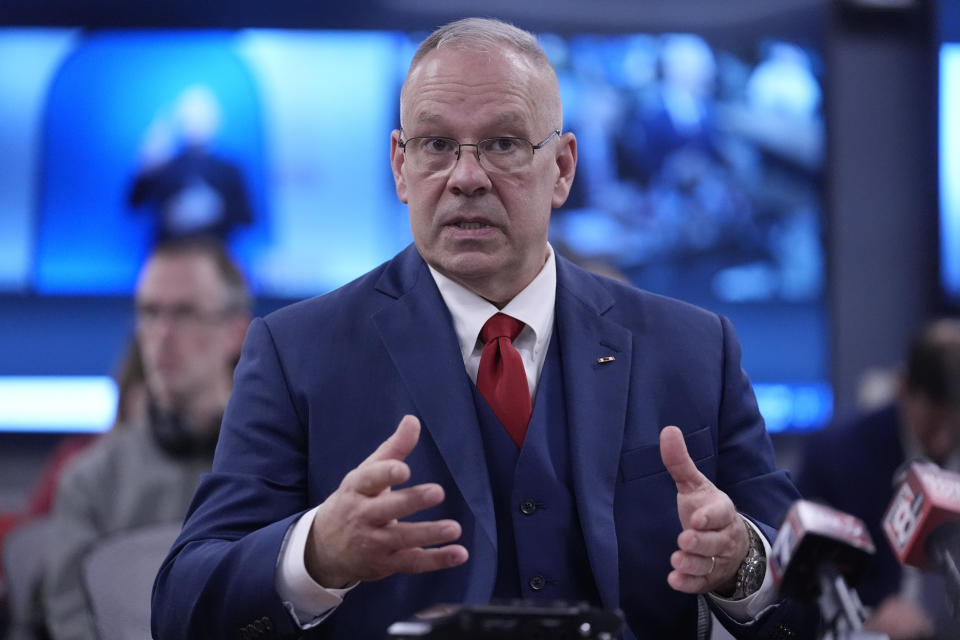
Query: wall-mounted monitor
point(700, 169)
point(948, 149)
point(949, 163)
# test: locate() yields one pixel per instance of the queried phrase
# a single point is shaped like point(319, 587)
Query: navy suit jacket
point(323, 382)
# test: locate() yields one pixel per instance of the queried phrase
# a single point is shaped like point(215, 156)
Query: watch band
point(752, 570)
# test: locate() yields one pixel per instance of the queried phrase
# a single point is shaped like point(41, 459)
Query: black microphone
point(817, 551)
point(922, 524)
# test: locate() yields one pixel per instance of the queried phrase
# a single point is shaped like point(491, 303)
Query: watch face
point(752, 569)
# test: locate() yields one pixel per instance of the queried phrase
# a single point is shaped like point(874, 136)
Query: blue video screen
point(135, 136)
point(949, 146)
point(689, 154)
point(700, 172)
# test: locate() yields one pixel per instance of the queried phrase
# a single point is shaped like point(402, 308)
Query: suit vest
point(541, 552)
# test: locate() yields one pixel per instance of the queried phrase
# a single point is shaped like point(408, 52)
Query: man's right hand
point(356, 533)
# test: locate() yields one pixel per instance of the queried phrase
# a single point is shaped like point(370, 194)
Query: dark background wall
point(882, 192)
point(881, 171)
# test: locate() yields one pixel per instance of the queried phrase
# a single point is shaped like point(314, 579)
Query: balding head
point(486, 35)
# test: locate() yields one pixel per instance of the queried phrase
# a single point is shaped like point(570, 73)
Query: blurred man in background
point(192, 310)
point(851, 465)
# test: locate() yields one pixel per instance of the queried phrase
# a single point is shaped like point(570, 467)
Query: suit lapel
point(418, 333)
point(596, 404)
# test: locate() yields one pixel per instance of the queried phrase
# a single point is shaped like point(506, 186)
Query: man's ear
point(396, 163)
point(567, 165)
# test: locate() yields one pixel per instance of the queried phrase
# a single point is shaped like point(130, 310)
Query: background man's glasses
point(504, 154)
point(179, 316)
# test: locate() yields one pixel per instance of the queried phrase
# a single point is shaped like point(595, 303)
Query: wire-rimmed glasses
point(504, 154)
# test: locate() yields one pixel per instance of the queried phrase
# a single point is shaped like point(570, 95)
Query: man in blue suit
point(362, 476)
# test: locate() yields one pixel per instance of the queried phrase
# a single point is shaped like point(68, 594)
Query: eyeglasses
point(504, 154)
point(149, 316)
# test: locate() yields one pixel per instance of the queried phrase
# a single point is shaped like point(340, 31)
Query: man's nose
point(468, 177)
point(164, 326)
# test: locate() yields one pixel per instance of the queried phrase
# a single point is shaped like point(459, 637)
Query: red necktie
point(501, 378)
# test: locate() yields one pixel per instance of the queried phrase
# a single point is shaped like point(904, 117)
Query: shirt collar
point(534, 306)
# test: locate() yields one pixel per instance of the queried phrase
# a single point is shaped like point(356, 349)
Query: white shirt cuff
point(753, 605)
point(308, 603)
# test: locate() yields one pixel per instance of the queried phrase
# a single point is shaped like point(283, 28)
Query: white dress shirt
point(534, 306)
point(309, 602)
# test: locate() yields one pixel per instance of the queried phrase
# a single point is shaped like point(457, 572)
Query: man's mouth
point(469, 226)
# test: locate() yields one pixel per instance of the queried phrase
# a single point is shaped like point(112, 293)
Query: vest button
point(528, 507)
point(537, 582)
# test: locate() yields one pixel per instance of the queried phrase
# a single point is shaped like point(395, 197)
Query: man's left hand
point(714, 540)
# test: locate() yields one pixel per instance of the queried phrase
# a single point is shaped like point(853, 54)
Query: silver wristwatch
point(753, 568)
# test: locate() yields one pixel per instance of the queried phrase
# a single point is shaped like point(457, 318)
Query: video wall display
point(268, 139)
point(699, 176)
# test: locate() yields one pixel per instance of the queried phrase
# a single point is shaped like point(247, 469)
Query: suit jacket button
point(537, 582)
point(528, 507)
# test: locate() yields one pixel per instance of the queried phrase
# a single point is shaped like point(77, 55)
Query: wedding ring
point(713, 563)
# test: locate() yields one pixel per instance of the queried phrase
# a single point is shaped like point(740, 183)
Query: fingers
point(372, 477)
point(715, 514)
point(410, 535)
point(357, 533)
point(371, 553)
point(399, 445)
point(693, 565)
point(423, 560)
point(688, 584)
point(706, 543)
point(673, 452)
point(709, 573)
point(696, 573)
point(384, 467)
point(707, 559)
point(395, 505)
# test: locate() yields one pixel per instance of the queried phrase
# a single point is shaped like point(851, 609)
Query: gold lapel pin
point(605, 359)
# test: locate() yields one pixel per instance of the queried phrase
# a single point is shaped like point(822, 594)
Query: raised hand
point(714, 540)
point(357, 534)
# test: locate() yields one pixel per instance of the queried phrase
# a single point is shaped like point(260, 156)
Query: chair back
point(24, 551)
point(118, 574)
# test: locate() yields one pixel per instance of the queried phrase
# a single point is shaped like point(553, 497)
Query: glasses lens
point(506, 154)
point(432, 154)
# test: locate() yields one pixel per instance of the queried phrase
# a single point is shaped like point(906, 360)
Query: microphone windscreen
point(813, 536)
point(927, 499)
